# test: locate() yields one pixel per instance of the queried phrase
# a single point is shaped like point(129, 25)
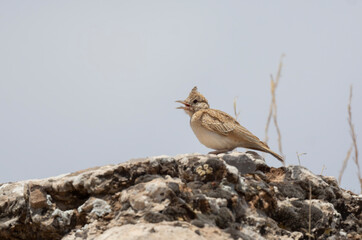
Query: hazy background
point(87, 83)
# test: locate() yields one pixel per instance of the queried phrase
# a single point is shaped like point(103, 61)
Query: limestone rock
point(189, 196)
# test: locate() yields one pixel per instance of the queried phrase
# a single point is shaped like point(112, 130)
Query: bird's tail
point(277, 156)
point(265, 148)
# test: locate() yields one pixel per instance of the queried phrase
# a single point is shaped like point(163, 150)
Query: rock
point(95, 207)
point(37, 197)
point(241, 161)
point(163, 231)
point(189, 196)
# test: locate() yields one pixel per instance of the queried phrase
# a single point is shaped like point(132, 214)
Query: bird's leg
point(220, 151)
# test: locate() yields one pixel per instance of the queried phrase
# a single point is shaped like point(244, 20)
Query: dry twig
point(273, 107)
point(354, 138)
point(324, 167)
point(298, 156)
point(235, 112)
point(345, 164)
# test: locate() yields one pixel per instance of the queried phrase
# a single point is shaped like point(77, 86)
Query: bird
point(218, 130)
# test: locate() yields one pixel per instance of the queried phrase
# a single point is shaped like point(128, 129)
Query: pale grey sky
point(87, 83)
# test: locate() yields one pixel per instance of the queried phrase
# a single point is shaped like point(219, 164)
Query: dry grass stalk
point(344, 164)
point(354, 138)
point(324, 167)
point(235, 112)
point(273, 107)
point(298, 156)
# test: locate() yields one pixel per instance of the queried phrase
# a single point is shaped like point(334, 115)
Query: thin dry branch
point(345, 161)
point(235, 112)
point(298, 156)
point(324, 167)
point(278, 129)
point(354, 138)
point(273, 107)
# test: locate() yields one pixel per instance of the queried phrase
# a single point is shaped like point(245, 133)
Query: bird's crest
point(194, 94)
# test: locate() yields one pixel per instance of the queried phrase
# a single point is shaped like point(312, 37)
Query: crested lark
point(218, 130)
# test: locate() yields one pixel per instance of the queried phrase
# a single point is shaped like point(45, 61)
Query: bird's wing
point(219, 122)
point(224, 124)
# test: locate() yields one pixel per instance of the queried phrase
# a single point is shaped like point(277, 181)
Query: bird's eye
point(195, 101)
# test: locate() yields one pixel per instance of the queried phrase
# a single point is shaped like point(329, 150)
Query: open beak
point(186, 107)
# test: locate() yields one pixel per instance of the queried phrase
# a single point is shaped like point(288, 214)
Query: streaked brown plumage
point(218, 130)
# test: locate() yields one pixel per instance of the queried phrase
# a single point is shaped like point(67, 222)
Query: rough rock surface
point(192, 196)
